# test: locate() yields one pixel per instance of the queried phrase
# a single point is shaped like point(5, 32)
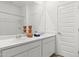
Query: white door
point(67, 30)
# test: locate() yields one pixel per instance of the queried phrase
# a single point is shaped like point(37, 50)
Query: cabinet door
point(48, 47)
point(35, 52)
point(24, 54)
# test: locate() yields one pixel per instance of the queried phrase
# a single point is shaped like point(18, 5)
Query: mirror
point(37, 16)
point(11, 19)
point(16, 14)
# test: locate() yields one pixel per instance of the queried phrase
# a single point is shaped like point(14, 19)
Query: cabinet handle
point(59, 33)
point(78, 29)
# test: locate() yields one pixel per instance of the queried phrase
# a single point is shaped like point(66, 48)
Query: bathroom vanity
point(43, 46)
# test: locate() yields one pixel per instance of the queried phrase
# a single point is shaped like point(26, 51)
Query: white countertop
point(16, 41)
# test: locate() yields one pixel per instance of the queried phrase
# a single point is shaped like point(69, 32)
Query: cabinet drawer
point(49, 39)
point(34, 44)
point(19, 49)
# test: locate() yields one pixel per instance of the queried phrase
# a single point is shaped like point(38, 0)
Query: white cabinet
point(48, 46)
point(14, 51)
point(30, 49)
point(35, 52)
point(43, 47)
point(23, 54)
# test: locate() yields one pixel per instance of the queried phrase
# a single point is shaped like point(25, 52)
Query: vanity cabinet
point(44, 47)
point(35, 52)
point(24, 50)
point(48, 46)
point(23, 54)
